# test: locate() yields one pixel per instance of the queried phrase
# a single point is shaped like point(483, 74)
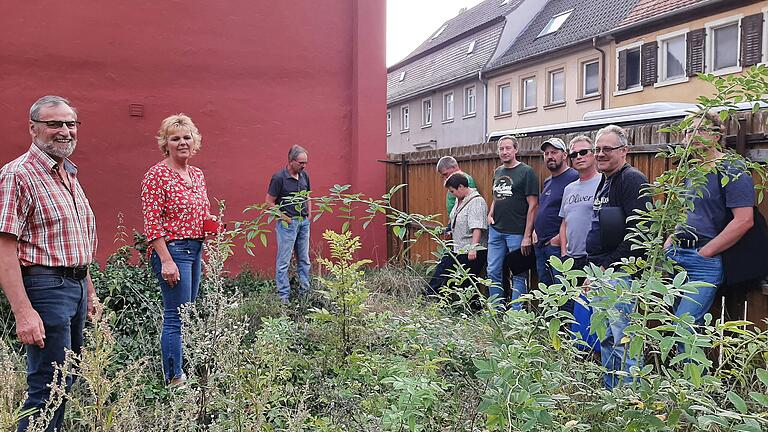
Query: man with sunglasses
point(47, 241)
point(618, 198)
point(546, 235)
point(292, 228)
point(578, 197)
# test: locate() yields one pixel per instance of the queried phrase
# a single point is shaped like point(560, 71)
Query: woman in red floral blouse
point(175, 204)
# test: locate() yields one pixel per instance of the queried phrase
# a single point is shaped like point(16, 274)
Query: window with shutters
point(426, 112)
point(751, 40)
point(628, 69)
point(405, 118)
point(722, 46)
point(505, 99)
point(672, 57)
point(528, 93)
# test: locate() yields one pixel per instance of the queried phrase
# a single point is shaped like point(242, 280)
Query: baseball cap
point(554, 142)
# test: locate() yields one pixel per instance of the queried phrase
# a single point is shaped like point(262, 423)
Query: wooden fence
point(425, 194)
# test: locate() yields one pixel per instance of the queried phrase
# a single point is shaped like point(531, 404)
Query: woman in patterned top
point(175, 204)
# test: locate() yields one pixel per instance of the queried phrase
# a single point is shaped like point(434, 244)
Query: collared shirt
point(283, 185)
point(172, 208)
point(54, 225)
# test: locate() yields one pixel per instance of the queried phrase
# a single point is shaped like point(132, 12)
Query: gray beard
point(52, 150)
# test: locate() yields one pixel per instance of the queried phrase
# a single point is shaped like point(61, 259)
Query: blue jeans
point(291, 239)
point(700, 269)
point(499, 244)
point(62, 305)
point(188, 256)
point(612, 351)
point(543, 269)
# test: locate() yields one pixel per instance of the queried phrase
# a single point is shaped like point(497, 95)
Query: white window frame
point(500, 98)
point(639, 87)
point(389, 122)
point(523, 93)
point(467, 105)
point(661, 57)
point(426, 116)
point(446, 117)
point(710, 48)
point(583, 73)
point(550, 88)
point(765, 36)
point(405, 118)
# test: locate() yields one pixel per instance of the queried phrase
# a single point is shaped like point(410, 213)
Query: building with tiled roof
point(661, 46)
point(554, 71)
point(436, 95)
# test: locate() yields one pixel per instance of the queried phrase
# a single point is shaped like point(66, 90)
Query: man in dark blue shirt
point(292, 229)
point(720, 218)
point(546, 237)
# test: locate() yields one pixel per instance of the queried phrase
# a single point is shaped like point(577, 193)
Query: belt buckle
point(688, 243)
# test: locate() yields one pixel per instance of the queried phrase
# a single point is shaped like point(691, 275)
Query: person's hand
point(555, 241)
point(29, 327)
point(668, 243)
point(490, 220)
point(472, 255)
point(94, 305)
point(525, 245)
point(170, 272)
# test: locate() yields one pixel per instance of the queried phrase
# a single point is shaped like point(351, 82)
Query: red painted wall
point(255, 77)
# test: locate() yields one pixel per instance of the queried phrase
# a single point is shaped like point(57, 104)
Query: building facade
point(659, 49)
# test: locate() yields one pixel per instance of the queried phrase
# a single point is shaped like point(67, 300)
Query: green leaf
point(737, 402)
point(762, 374)
point(263, 238)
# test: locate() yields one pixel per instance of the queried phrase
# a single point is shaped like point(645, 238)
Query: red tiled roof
point(646, 9)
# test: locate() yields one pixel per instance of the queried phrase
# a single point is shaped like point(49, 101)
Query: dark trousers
point(62, 304)
point(442, 270)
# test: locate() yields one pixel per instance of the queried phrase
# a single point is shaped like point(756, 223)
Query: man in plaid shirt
point(47, 241)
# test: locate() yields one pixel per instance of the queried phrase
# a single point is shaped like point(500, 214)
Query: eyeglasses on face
point(607, 149)
point(58, 124)
point(574, 155)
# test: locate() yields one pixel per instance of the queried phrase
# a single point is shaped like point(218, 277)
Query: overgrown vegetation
point(366, 352)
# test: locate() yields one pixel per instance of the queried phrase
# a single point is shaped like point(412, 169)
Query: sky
point(411, 22)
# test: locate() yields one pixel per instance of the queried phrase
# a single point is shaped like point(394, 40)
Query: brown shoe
point(178, 381)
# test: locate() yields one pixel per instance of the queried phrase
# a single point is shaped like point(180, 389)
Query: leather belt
point(692, 243)
point(67, 272)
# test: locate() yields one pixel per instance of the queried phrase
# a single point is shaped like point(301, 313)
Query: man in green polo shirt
point(446, 167)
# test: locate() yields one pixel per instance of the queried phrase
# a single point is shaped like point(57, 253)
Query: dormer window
point(555, 23)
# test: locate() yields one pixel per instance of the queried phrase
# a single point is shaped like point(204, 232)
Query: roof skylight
point(440, 30)
point(471, 47)
point(555, 23)
point(402, 76)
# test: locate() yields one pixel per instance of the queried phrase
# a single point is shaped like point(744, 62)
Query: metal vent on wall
point(136, 110)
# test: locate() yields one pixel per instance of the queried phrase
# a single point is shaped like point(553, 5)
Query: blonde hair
point(178, 121)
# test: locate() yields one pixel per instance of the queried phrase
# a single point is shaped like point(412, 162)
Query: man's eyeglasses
point(574, 155)
point(58, 124)
point(606, 149)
